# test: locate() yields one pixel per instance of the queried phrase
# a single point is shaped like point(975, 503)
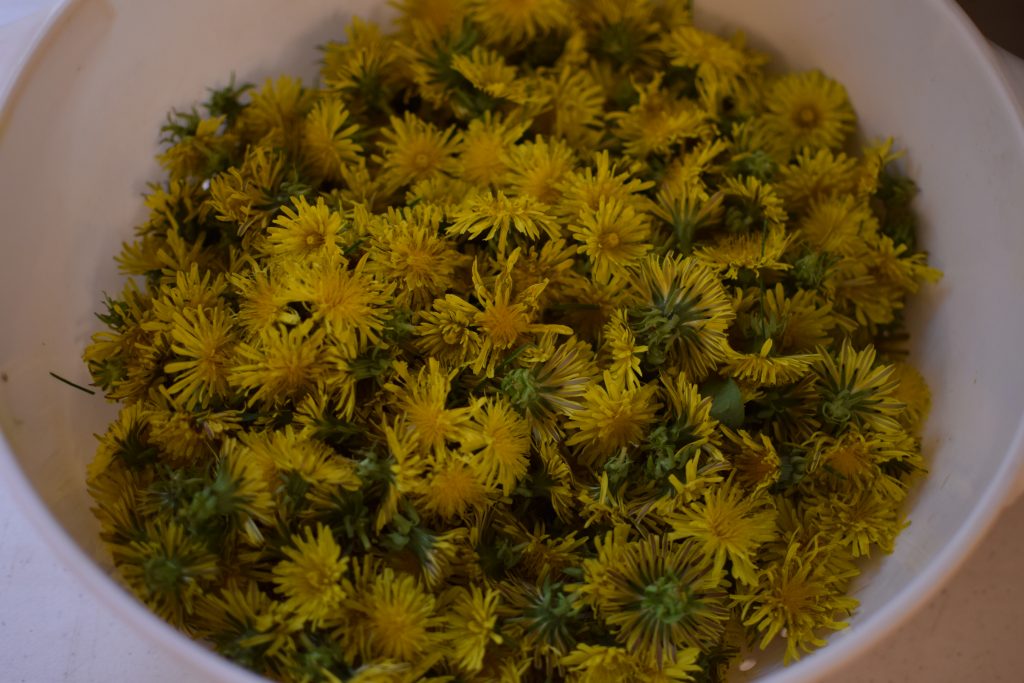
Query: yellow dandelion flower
point(659, 123)
point(560, 482)
point(413, 149)
point(855, 391)
point(575, 108)
point(586, 305)
point(659, 601)
point(191, 288)
point(874, 159)
point(204, 344)
point(282, 364)
point(423, 400)
point(682, 314)
point(440, 190)
point(552, 387)
point(328, 138)
point(276, 113)
point(412, 254)
point(167, 568)
point(399, 619)
point(858, 519)
point(446, 332)
point(437, 16)
point(264, 300)
point(686, 432)
point(505, 319)
point(244, 619)
point(802, 592)
point(767, 369)
point(366, 69)
point(305, 231)
point(751, 205)
point(729, 526)
point(401, 472)
point(838, 224)
point(454, 488)
point(605, 664)
point(126, 442)
point(753, 457)
point(715, 59)
point(622, 35)
point(501, 442)
point(352, 305)
point(859, 461)
point(612, 417)
point(604, 181)
point(546, 619)
point(313, 577)
point(687, 177)
point(554, 262)
point(730, 254)
point(497, 214)
point(170, 205)
point(613, 237)
point(912, 391)
point(487, 71)
point(536, 168)
point(895, 266)
point(473, 626)
point(513, 22)
point(809, 110)
point(623, 351)
point(542, 554)
point(601, 664)
point(245, 195)
point(814, 175)
point(293, 463)
point(484, 146)
point(186, 434)
point(798, 323)
point(195, 154)
point(686, 210)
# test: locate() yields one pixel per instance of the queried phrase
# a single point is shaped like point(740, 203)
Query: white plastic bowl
point(77, 140)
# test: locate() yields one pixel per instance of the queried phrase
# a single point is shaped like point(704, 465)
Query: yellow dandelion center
point(454, 489)
point(504, 324)
point(399, 617)
point(431, 421)
point(807, 116)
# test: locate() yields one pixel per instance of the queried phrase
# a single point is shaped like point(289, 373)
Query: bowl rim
point(998, 494)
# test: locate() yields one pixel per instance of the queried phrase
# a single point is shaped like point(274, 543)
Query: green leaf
point(726, 401)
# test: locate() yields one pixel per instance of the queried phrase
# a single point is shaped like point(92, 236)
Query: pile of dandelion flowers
point(534, 342)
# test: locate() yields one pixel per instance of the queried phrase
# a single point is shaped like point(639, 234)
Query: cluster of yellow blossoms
point(541, 340)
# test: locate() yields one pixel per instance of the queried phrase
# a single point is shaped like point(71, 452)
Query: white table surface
point(52, 629)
